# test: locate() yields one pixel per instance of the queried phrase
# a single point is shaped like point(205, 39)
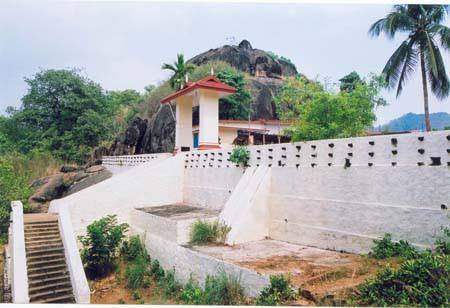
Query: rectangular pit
point(171, 222)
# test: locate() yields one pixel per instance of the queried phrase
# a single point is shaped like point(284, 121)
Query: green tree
point(294, 92)
point(320, 114)
point(180, 69)
point(63, 112)
point(348, 82)
point(425, 32)
point(236, 106)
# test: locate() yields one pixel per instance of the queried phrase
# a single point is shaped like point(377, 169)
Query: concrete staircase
point(48, 277)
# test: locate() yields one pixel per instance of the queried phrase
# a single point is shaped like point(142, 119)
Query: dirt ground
point(321, 284)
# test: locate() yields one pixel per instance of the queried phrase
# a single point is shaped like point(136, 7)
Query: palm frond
point(437, 76)
point(409, 65)
point(166, 66)
point(443, 33)
point(395, 21)
point(435, 13)
point(393, 68)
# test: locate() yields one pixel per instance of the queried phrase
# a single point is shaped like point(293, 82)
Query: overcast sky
point(123, 44)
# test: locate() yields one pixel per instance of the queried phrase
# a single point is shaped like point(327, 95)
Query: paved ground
point(180, 211)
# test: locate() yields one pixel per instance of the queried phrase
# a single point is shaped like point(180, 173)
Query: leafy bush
point(423, 281)
point(204, 232)
point(240, 155)
point(13, 186)
point(386, 248)
point(136, 271)
point(156, 270)
point(100, 245)
point(192, 294)
point(443, 244)
point(278, 292)
point(223, 289)
point(133, 248)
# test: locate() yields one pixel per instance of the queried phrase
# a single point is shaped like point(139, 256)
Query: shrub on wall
point(240, 155)
point(101, 245)
point(204, 232)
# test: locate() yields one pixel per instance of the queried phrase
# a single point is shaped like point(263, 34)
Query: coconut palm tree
point(180, 70)
point(423, 25)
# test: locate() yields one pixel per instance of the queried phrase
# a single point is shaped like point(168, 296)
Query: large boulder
point(244, 57)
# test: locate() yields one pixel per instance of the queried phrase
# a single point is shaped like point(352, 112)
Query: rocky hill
point(265, 70)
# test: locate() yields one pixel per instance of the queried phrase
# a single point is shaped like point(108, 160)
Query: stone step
point(31, 243)
point(41, 222)
point(47, 268)
point(39, 236)
point(44, 281)
point(33, 264)
point(50, 294)
point(44, 251)
point(40, 227)
point(48, 274)
point(44, 256)
point(59, 299)
point(31, 233)
point(44, 246)
point(51, 286)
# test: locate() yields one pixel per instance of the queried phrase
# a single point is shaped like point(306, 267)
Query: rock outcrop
point(62, 184)
point(244, 57)
point(266, 71)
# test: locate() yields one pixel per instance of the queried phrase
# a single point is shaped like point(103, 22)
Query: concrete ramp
point(247, 209)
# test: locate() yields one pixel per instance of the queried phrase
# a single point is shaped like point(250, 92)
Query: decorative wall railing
point(415, 149)
point(132, 160)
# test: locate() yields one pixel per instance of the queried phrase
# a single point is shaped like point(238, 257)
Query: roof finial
point(212, 71)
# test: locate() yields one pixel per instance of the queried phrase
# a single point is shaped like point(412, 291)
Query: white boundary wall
point(19, 277)
point(337, 194)
point(119, 164)
point(154, 183)
point(78, 279)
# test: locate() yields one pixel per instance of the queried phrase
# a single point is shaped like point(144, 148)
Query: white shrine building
point(211, 133)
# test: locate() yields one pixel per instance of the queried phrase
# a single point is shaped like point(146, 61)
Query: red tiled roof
point(209, 82)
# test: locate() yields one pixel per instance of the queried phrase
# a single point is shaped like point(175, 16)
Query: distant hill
point(412, 121)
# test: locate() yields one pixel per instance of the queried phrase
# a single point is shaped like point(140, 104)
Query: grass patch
point(136, 273)
point(204, 232)
point(223, 289)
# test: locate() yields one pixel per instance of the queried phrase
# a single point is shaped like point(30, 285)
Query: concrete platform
point(171, 222)
point(268, 257)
